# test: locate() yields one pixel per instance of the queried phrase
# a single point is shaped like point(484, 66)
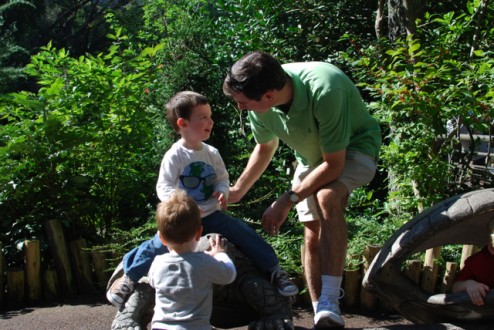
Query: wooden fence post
point(429, 273)
point(58, 248)
point(33, 270)
point(100, 267)
point(368, 300)
point(80, 258)
point(50, 285)
point(449, 277)
point(352, 283)
point(466, 252)
point(413, 270)
point(16, 283)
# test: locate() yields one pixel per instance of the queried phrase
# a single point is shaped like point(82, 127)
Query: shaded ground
point(94, 313)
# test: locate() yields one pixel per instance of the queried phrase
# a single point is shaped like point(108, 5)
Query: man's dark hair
point(253, 75)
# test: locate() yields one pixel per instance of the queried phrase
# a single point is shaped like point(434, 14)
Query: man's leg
point(333, 237)
point(311, 260)
point(333, 240)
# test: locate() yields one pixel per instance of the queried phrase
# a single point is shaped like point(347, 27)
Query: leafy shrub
point(81, 149)
point(416, 86)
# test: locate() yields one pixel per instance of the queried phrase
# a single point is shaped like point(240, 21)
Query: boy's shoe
point(120, 291)
point(282, 281)
point(328, 315)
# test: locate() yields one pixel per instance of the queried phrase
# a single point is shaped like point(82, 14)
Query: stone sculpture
point(458, 220)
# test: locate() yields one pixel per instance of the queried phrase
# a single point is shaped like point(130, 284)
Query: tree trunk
point(412, 11)
point(401, 17)
point(480, 19)
point(379, 23)
point(2, 278)
point(396, 20)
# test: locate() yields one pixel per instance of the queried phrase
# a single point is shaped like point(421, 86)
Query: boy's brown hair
point(181, 105)
point(178, 218)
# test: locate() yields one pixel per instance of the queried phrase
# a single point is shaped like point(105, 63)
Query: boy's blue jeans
point(137, 262)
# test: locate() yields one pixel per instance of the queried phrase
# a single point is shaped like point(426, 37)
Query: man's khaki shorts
point(359, 169)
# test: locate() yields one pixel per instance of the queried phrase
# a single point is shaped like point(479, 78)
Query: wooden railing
point(77, 269)
point(80, 269)
point(425, 274)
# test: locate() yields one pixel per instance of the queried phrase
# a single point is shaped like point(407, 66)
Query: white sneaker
point(328, 315)
point(120, 291)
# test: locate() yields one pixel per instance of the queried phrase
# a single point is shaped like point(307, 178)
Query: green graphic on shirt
point(198, 180)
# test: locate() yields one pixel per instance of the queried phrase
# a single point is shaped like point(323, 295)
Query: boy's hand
point(476, 291)
point(218, 244)
point(221, 199)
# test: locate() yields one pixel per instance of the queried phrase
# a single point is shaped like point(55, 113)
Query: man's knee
point(333, 197)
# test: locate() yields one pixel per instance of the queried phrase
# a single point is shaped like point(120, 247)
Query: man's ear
point(269, 95)
point(199, 233)
point(182, 123)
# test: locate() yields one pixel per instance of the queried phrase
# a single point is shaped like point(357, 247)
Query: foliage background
point(83, 128)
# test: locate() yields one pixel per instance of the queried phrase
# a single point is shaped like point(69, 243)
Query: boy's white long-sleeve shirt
point(200, 165)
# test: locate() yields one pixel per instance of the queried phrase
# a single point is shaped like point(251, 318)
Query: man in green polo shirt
point(316, 110)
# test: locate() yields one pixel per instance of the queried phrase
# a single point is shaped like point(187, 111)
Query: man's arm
point(330, 169)
point(258, 162)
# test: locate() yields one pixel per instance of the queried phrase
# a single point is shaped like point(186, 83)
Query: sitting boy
point(198, 168)
point(477, 276)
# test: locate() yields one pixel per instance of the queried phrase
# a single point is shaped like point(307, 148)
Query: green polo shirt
point(327, 114)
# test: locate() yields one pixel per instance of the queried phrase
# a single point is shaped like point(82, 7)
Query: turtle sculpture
point(250, 299)
point(458, 220)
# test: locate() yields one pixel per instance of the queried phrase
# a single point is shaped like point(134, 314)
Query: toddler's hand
point(477, 291)
point(221, 199)
point(218, 244)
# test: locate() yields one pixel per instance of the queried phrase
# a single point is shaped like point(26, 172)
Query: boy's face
point(200, 124)
point(490, 231)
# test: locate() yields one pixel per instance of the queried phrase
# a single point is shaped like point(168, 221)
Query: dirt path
point(94, 313)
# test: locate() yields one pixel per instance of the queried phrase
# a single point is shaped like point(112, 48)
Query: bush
point(81, 148)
